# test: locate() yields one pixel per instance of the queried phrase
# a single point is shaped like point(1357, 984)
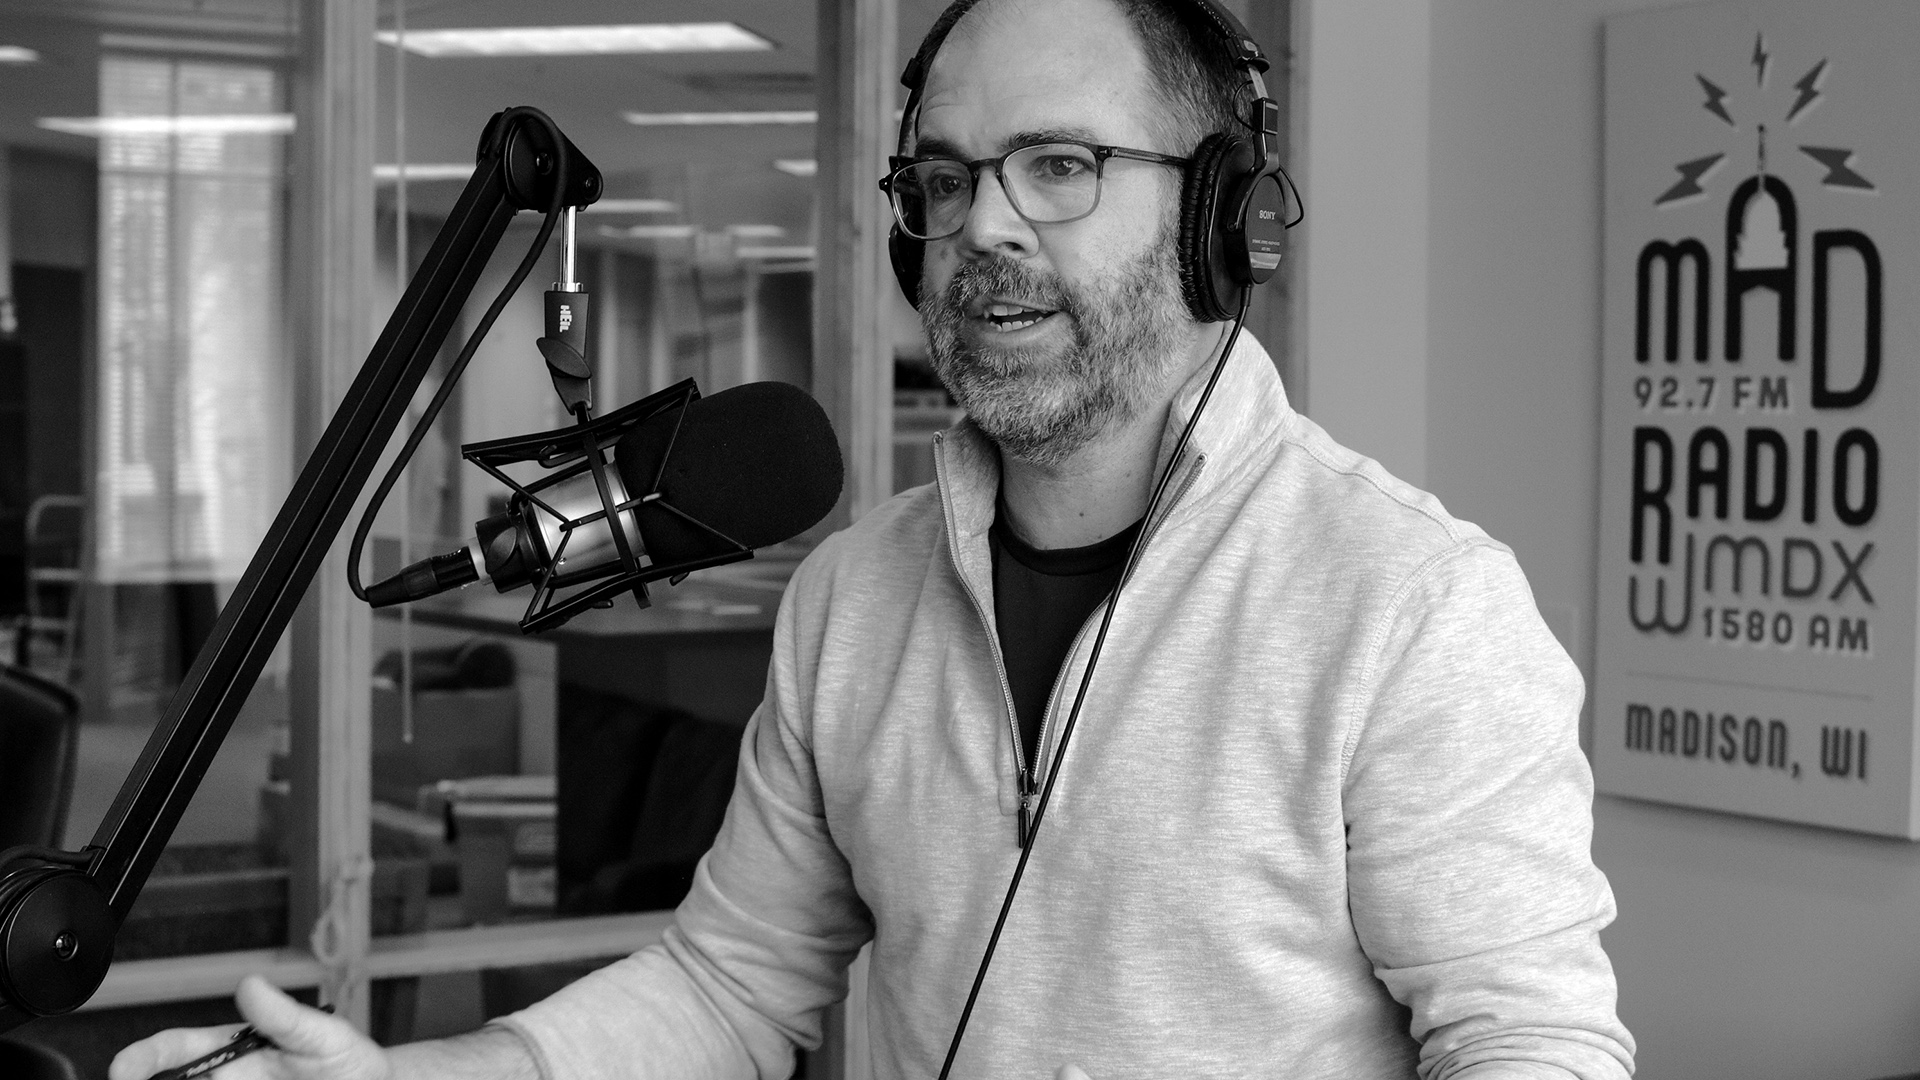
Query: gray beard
point(1044, 405)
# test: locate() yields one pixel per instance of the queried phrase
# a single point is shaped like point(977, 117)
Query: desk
point(702, 647)
point(700, 650)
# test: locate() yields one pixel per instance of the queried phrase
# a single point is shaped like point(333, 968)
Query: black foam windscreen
point(757, 463)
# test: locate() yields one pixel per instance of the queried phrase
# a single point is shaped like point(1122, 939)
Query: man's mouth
point(1004, 317)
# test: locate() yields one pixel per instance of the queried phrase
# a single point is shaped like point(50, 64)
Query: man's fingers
point(292, 1026)
point(311, 1042)
point(166, 1050)
point(1070, 1072)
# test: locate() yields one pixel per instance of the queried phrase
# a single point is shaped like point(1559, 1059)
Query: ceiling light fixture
point(205, 46)
point(581, 40)
point(704, 119)
point(798, 166)
point(240, 124)
point(17, 54)
point(805, 251)
point(755, 232)
point(649, 232)
point(633, 206)
point(449, 170)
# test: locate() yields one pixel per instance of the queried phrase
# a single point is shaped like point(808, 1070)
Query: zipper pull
point(1028, 789)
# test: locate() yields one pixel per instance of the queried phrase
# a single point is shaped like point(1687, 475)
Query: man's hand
point(313, 1045)
point(1064, 1072)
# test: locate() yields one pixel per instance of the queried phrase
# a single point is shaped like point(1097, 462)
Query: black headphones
point(1233, 213)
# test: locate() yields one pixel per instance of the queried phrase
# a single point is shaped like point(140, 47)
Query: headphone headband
point(1232, 31)
point(1232, 208)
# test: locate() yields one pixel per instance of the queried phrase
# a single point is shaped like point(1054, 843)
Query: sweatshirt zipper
point(1026, 774)
point(993, 640)
point(1030, 779)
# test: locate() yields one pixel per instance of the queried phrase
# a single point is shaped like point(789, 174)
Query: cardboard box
point(506, 849)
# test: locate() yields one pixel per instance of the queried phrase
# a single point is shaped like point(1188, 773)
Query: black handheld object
point(1234, 215)
point(59, 911)
point(693, 484)
point(248, 1040)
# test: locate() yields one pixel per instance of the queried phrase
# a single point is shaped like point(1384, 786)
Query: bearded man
point(1326, 814)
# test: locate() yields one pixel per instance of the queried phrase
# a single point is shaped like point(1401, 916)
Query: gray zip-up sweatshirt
point(1324, 815)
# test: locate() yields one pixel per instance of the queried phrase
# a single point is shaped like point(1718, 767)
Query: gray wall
point(1744, 948)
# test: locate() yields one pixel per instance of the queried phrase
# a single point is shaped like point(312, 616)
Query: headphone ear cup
point(1258, 242)
point(906, 254)
point(1196, 218)
point(1220, 164)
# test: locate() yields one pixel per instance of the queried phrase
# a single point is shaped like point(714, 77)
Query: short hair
point(1196, 74)
point(1199, 78)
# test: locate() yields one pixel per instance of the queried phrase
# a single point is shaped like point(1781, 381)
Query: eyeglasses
point(1047, 183)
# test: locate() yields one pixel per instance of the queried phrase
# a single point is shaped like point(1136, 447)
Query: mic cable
point(1086, 680)
point(459, 365)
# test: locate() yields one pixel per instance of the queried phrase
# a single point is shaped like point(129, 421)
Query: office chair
point(31, 1061)
point(56, 528)
point(39, 735)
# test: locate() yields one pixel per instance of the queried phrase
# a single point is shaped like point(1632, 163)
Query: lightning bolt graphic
point(1760, 59)
point(1715, 96)
point(1691, 173)
point(1809, 87)
point(1839, 172)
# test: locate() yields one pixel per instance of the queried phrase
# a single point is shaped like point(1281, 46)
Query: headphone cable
point(1086, 680)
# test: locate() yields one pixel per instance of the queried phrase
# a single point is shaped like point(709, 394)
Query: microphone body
point(747, 467)
point(512, 547)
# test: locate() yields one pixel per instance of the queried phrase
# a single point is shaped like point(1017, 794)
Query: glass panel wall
point(145, 409)
point(582, 773)
point(191, 445)
point(147, 401)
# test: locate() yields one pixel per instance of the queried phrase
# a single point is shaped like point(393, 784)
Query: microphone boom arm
point(57, 920)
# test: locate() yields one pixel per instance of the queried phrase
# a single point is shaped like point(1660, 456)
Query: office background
point(1442, 315)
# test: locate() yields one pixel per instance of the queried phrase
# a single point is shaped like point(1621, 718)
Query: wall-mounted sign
point(1760, 477)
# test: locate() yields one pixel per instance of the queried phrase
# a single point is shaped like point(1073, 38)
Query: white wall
point(1744, 949)
point(1363, 292)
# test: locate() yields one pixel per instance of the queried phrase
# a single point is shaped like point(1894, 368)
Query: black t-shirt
point(1041, 598)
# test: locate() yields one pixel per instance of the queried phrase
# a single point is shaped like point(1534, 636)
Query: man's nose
point(993, 225)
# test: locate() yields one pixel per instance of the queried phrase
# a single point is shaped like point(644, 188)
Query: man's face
point(1050, 334)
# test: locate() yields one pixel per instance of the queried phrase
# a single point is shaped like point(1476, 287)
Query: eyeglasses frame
point(1101, 153)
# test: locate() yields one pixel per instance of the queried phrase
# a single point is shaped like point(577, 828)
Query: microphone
point(756, 464)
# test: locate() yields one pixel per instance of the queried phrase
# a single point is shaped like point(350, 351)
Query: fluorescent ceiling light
point(205, 46)
point(798, 166)
point(649, 232)
point(17, 54)
point(581, 40)
point(704, 119)
point(797, 252)
point(755, 232)
point(450, 170)
point(634, 206)
point(242, 124)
